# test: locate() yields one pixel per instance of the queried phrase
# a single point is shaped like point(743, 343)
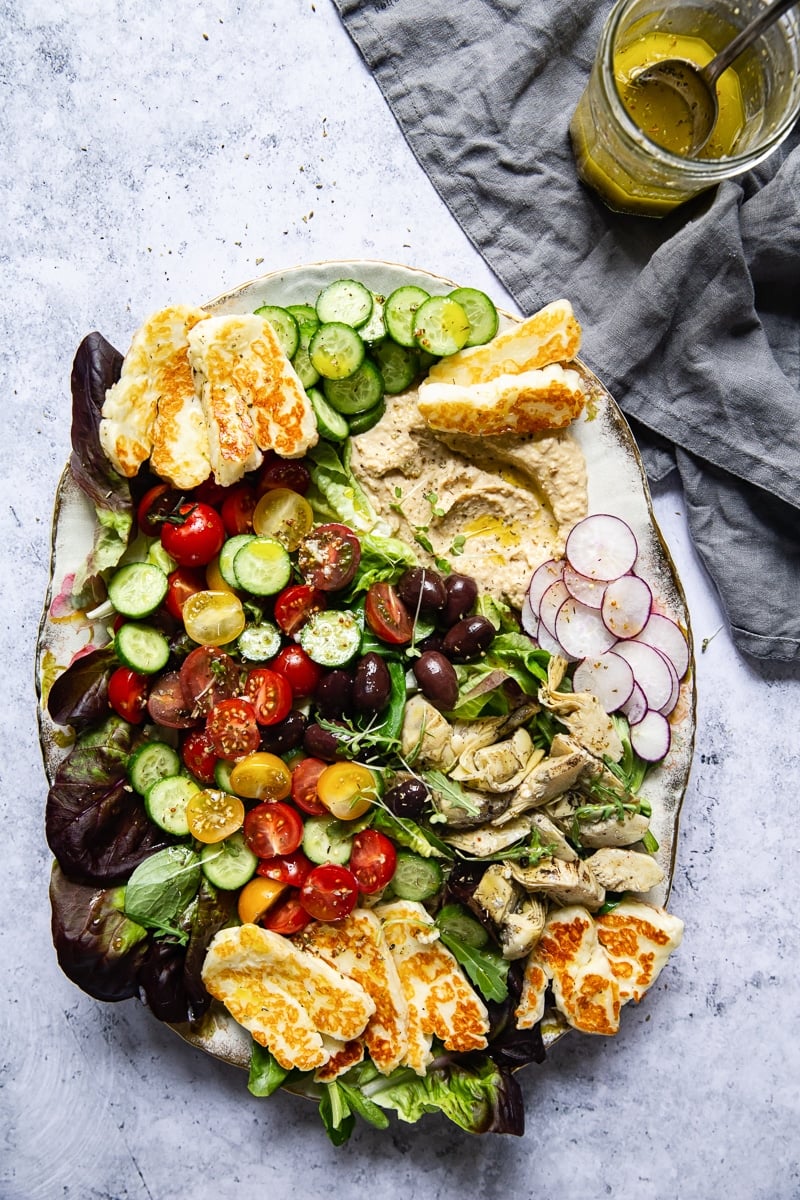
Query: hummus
point(494, 507)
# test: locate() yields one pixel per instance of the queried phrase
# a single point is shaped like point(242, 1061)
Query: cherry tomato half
point(295, 604)
point(127, 694)
point(256, 898)
point(181, 584)
point(261, 776)
point(329, 893)
point(288, 868)
point(286, 917)
point(154, 507)
point(270, 694)
point(167, 705)
point(237, 509)
point(347, 789)
point(279, 472)
point(194, 535)
point(386, 615)
point(372, 860)
point(301, 672)
point(213, 815)
point(273, 829)
point(304, 786)
point(328, 558)
point(209, 675)
point(199, 756)
point(232, 728)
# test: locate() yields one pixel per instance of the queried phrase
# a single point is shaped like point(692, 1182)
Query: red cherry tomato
point(167, 705)
point(386, 615)
point(127, 694)
point(289, 868)
point(237, 509)
point(199, 756)
point(181, 584)
point(270, 695)
point(301, 672)
point(283, 473)
point(154, 507)
point(304, 786)
point(273, 829)
point(287, 917)
point(232, 730)
point(209, 675)
point(372, 860)
point(194, 535)
point(210, 492)
point(295, 604)
point(328, 558)
point(329, 893)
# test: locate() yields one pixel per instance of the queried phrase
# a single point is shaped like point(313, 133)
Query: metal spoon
point(697, 86)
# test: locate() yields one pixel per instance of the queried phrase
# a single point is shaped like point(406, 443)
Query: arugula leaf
point(161, 888)
point(487, 969)
point(451, 790)
point(266, 1073)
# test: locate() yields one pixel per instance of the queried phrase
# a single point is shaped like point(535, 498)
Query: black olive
point(469, 638)
point(333, 695)
point(372, 685)
point(407, 799)
point(422, 590)
point(320, 743)
point(462, 592)
point(437, 679)
point(286, 735)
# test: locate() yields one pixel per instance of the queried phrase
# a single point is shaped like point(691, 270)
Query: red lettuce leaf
point(79, 696)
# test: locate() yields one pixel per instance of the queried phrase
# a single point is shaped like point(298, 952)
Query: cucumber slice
point(165, 803)
point(400, 311)
point(151, 762)
point(441, 326)
point(336, 350)
point(327, 840)
point(222, 775)
point(330, 423)
point(262, 566)
point(228, 553)
point(141, 648)
point(331, 638)
point(361, 422)
point(345, 300)
point(229, 864)
point(416, 878)
point(360, 391)
point(304, 314)
point(285, 326)
point(481, 314)
point(305, 370)
point(137, 589)
point(397, 364)
point(457, 921)
point(375, 328)
point(259, 642)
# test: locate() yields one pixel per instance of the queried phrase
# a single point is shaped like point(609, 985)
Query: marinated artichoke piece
point(462, 808)
point(548, 779)
point(490, 839)
point(425, 736)
point(563, 882)
point(523, 927)
point(614, 832)
point(500, 767)
point(625, 870)
point(581, 712)
point(497, 894)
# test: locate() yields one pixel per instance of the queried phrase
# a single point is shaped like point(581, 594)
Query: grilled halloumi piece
point(291, 1001)
point(551, 335)
point(357, 947)
point(532, 402)
point(638, 939)
point(585, 987)
point(156, 378)
point(441, 1002)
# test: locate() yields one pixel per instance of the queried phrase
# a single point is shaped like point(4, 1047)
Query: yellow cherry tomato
point(261, 776)
point(213, 815)
point(213, 618)
point(347, 789)
point(256, 897)
point(284, 515)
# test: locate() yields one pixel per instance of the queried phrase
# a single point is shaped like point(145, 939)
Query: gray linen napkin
point(692, 322)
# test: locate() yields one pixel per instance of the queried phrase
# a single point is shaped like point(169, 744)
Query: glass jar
point(631, 172)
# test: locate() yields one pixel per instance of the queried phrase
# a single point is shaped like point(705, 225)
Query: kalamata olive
point(437, 679)
point(286, 735)
point(433, 641)
point(407, 799)
point(320, 743)
point(462, 592)
point(421, 590)
point(333, 695)
point(468, 638)
point(372, 685)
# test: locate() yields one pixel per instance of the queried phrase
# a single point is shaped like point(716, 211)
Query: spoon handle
point(742, 40)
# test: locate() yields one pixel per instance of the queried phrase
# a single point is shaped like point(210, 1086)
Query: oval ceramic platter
point(616, 484)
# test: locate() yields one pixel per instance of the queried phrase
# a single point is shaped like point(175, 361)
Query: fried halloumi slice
point(156, 375)
point(533, 402)
point(291, 1001)
point(551, 335)
point(585, 987)
point(282, 415)
point(441, 1002)
point(357, 947)
point(638, 939)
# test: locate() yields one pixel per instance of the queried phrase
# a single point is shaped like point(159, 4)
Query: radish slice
point(589, 591)
point(548, 642)
point(608, 677)
point(581, 630)
point(601, 547)
point(627, 602)
point(668, 706)
point(651, 737)
point(664, 635)
point(528, 618)
point(541, 579)
point(635, 707)
point(550, 603)
point(650, 671)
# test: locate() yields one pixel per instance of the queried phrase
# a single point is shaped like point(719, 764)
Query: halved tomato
point(213, 815)
point(199, 756)
point(155, 506)
point(329, 893)
point(328, 558)
point(304, 786)
point(286, 917)
point(209, 675)
point(181, 584)
point(295, 604)
point(301, 672)
point(372, 860)
point(127, 694)
point(237, 509)
point(270, 695)
point(287, 868)
point(279, 472)
point(273, 829)
point(232, 728)
point(386, 615)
